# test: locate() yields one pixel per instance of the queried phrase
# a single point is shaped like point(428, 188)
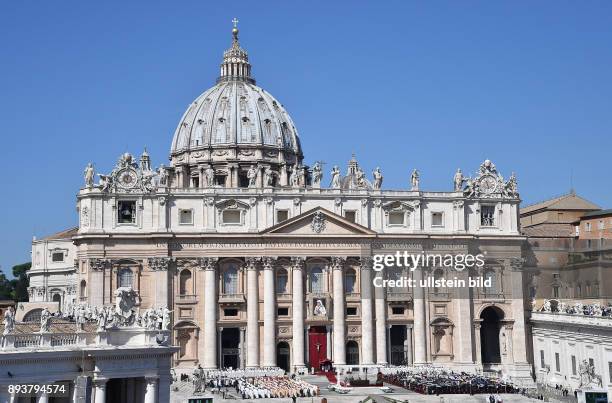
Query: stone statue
point(102, 320)
point(106, 182)
point(319, 309)
point(162, 176)
point(335, 177)
point(301, 176)
point(510, 188)
point(198, 379)
point(293, 178)
point(89, 175)
point(9, 321)
point(360, 177)
point(470, 187)
point(45, 320)
point(588, 377)
point(209, 175)
point(267, 177)
point(166, 319)
point(547, 307)
point(125, 300)
point(317, 174)
point(252, 175)
point(458, 180)
point(414, 179)
point(378, 178)
point(488, 167)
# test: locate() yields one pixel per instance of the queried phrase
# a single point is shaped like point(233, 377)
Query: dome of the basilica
point(236, 115)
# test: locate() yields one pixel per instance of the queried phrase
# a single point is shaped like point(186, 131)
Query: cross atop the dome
point(235, 21)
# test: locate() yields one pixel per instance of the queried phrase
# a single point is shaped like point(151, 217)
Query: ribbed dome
point(235, 113)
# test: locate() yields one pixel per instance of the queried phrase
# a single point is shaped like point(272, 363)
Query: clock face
point(488, 184)
point(127, 178)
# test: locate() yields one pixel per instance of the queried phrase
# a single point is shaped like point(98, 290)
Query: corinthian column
point(367, 341)
point(298, 311)
point(210, 312)
point(252, 356)
point(269, 358)
point(381, 325)
point(420, 325)
point(338, 295)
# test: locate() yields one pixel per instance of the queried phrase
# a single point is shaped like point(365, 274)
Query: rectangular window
point(557, 362)
point(555, 292)
point(601, 224)
point(542, 362)
point(591, 362)
point(556, 276)
point(588, 227)
point(126, 212)
point(230, 312)
point(231, 217)
point(185, 216)
point(396, 218)
point(610, 371)
point(574, 372)
point(350, 216)
point(351, 311)
point(436, 220)
point(57, 257)
point(220, 180)
point(282, 215)
point(195, 182)
point(282, 311)
point(487, 216)
point(397, 310)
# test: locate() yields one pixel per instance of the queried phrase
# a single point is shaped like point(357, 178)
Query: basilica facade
point(266, 261)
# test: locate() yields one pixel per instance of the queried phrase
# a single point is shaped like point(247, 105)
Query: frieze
point(262, 244)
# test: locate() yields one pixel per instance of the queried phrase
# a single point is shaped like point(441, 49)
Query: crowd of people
point(433, 381)
point(250, 383)
point(272, 387)
point(596, 309)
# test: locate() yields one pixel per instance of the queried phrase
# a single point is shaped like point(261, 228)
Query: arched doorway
point(489, 335)
point(352, 353)
point(58, 298)
point(283, 355)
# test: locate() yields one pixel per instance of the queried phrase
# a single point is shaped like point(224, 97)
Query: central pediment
point(318, 221)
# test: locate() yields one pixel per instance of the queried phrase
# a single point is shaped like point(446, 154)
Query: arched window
point(281, 281)
point(230, 280)
point(125, 277)
point(185, 282)
point(317, 281)
point(352, 353)
point(350, 281)
point(83, 288)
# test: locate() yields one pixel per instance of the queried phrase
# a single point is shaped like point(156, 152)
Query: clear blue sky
point(434, 85)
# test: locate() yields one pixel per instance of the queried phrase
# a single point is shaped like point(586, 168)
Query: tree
point(6, 288)
point(21, 282)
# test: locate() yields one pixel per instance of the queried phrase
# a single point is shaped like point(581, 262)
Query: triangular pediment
point(318, 221)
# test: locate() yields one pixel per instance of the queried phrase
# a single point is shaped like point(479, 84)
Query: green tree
point(6, 288)
point(21, 282)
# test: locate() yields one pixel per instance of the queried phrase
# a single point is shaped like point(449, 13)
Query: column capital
point(208, 263)
point(337, 262)
point(250, 263)
point(365, 262)
point(159, 263)
point(297, 262)
point(96, 264)
point(268, 262)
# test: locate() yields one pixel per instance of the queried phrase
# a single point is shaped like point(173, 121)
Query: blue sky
point(434, 85)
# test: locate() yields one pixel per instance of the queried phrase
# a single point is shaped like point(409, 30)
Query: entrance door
point(317, 346)
point(230, 347)
point(397, 334)
point(282, 356)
